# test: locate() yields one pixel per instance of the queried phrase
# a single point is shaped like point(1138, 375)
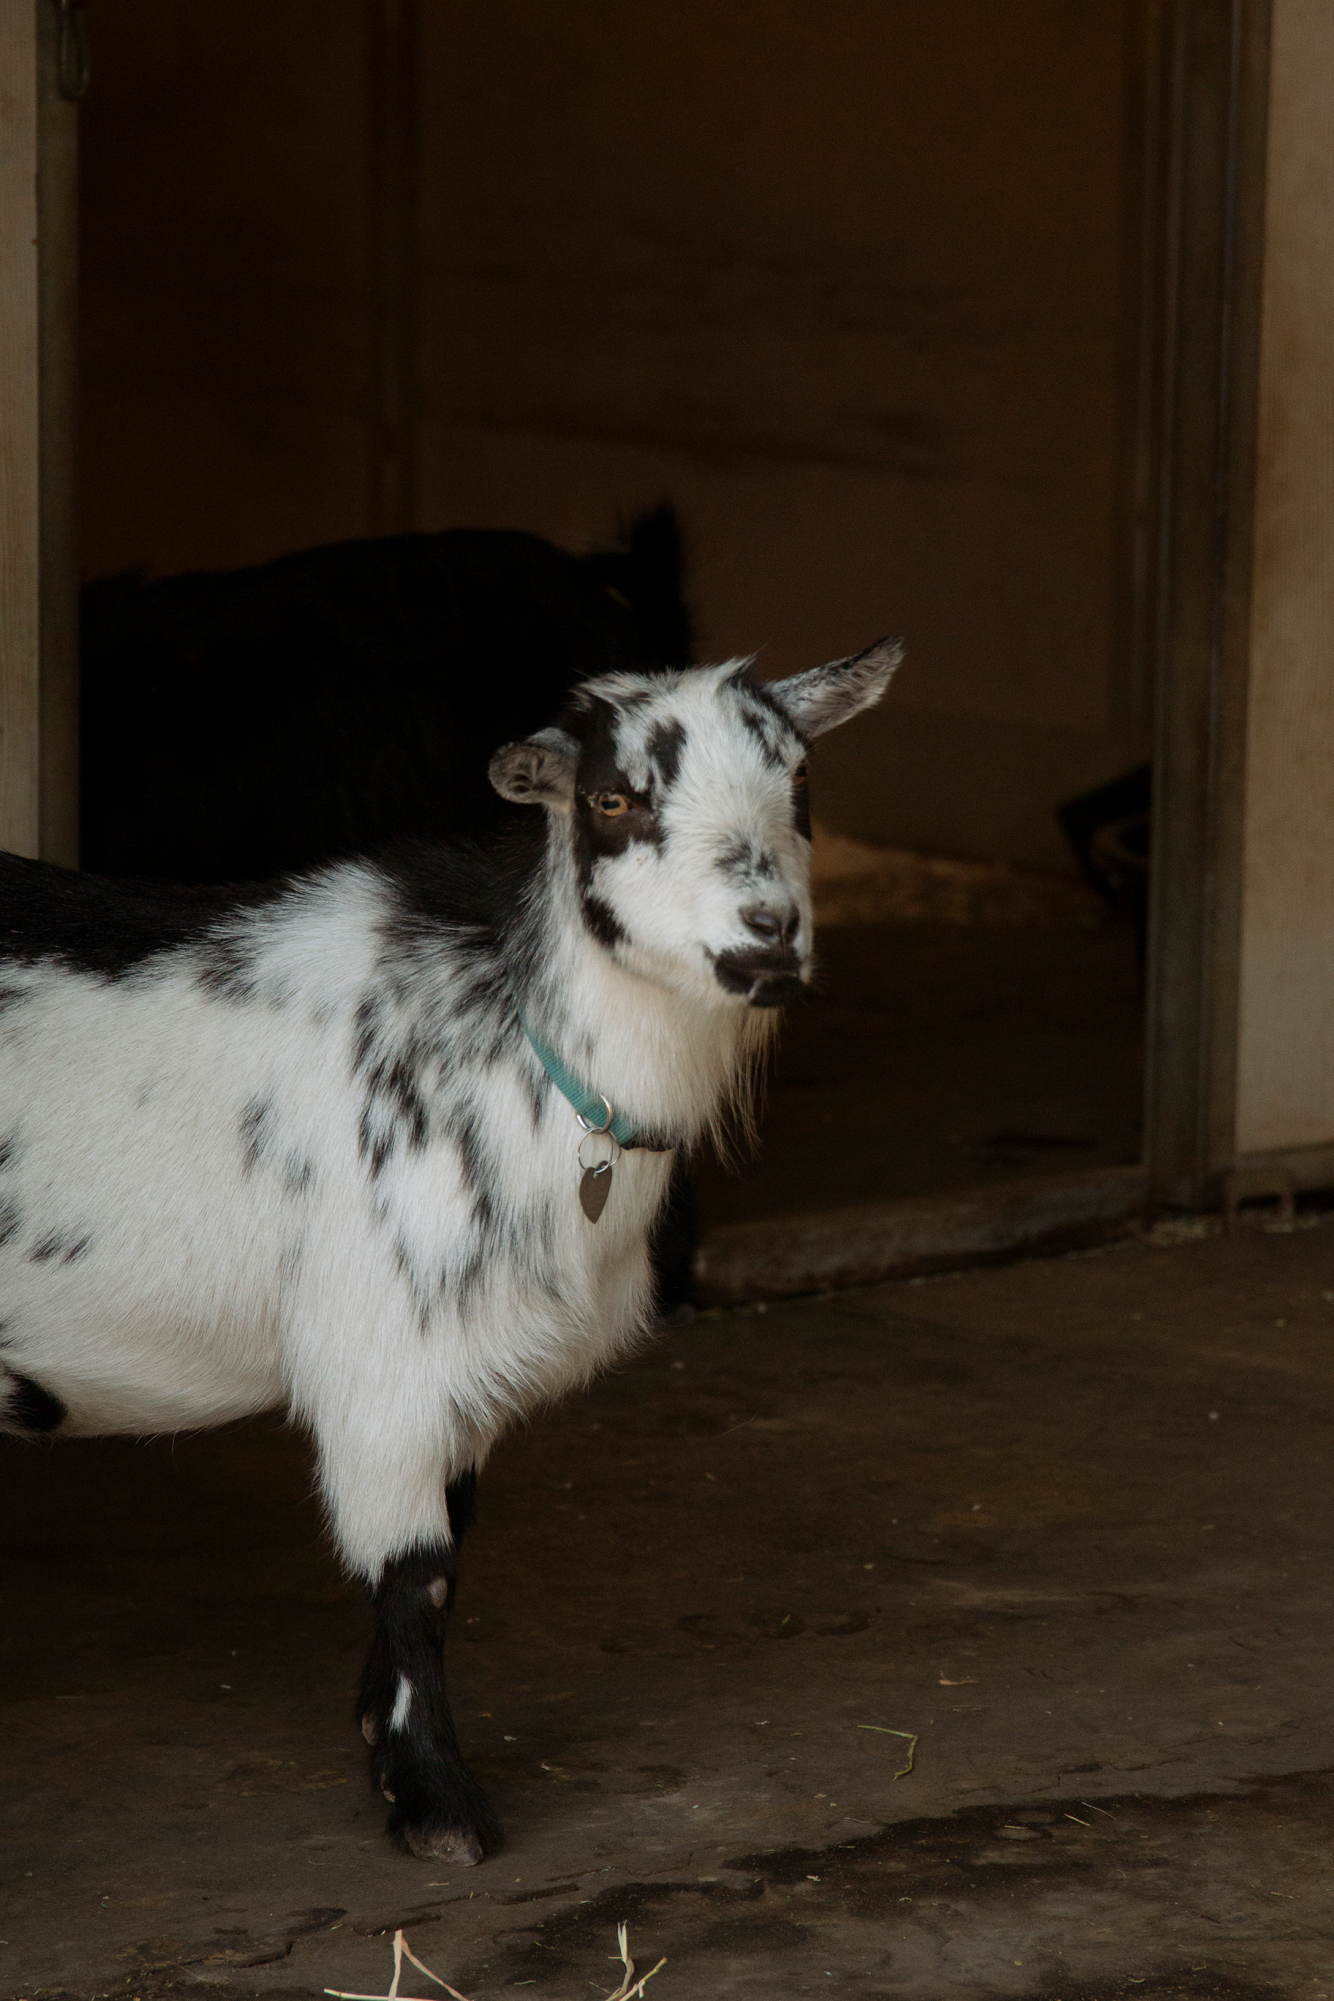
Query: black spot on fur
point(602, 921)
point(464, 1130)
point(11, 1218)
point(366, 1022)
point(226, 964)
point(255, 1130)
point(464, 1280)
point(28, 1406)
point(394, 1113)
point(596, 836)
point(392, 1064)
point(771, 726)
point(665, 746)
point(11, 998)
point(490, 1242)
point(59, 1245)
point(402, 1088)
point(9, 1150)
point(298, 1175)
point(742, 860)
point(476, 895)
point(375, 1142)
point(418, 1285)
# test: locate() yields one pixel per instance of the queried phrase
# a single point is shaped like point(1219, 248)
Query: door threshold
point(820, 1250)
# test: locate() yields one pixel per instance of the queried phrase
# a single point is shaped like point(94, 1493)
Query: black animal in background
point(248, 723)
point(244, 724)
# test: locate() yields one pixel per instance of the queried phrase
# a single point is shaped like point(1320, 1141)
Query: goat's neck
point(668, 1058)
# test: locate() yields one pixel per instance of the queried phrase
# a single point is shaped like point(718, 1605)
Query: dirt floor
point(1070, 1524)
point(943, 1056)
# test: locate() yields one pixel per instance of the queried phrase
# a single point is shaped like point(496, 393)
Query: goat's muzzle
point(764, 979)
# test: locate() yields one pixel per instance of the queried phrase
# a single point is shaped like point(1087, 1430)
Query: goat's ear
point(538, 771)
point(826, 696)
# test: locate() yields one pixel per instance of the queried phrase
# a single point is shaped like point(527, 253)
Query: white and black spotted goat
point(314, 1145)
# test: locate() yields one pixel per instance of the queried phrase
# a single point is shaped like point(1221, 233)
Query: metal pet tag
point(595, 1182)
point(594, 1188)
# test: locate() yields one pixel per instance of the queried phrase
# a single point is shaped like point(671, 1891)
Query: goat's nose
point(774, 927)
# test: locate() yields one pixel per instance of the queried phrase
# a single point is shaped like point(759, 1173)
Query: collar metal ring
point(599, 1132)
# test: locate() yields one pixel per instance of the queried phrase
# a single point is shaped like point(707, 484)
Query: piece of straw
point(401, 1950)
point(630, 1987)
point(909, 1734)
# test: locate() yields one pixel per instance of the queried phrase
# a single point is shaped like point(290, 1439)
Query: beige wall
point(1286, 1057)
point(844, 282)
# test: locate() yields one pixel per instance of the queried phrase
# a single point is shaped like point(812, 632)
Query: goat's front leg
point(438, 1806)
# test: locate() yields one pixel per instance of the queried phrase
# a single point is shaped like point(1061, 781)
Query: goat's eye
point(611, 805)
point(799, 776)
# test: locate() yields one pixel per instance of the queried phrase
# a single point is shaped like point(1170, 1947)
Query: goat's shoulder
point(467, 886)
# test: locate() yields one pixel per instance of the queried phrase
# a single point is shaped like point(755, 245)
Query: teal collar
point(590, 1106)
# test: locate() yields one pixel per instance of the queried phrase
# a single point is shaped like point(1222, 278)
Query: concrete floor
point(944, 1056)
point(1070, 1523)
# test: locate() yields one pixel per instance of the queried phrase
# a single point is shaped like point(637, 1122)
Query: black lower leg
point(437, 1805)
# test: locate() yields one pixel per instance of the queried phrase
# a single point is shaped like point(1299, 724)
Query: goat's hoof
point(459, 1845)
point(441, 1813)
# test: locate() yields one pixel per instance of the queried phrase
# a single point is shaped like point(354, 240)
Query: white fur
point(402, 1709)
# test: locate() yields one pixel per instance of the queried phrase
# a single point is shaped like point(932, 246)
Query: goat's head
point(683, 797)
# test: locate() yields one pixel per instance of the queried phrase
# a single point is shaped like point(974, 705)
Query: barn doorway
point(902, 355)
point(861, 297)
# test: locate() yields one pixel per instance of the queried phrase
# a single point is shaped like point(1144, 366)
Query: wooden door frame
point(39, 685)
point(1204, 326)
